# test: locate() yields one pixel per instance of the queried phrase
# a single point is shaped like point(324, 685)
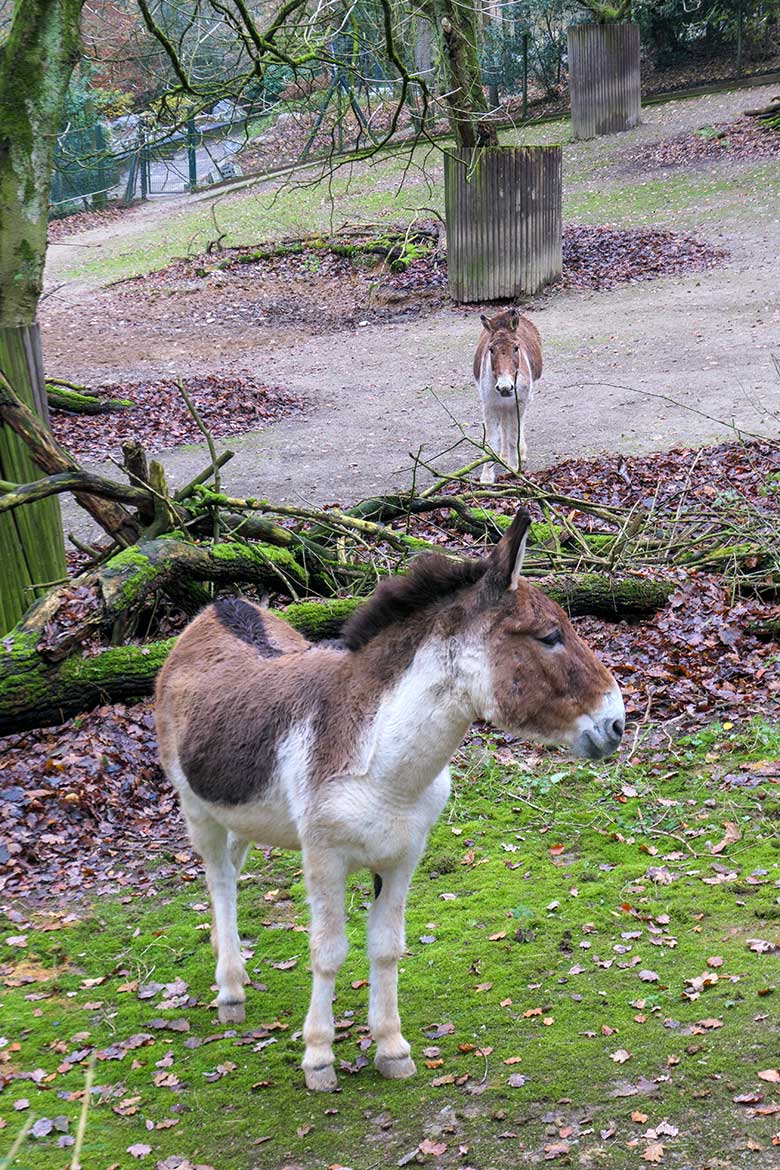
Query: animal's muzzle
point(601, 733)
point(603, 741)
point(504, 391)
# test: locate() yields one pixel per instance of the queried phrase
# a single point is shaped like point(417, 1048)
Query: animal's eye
point(554, 638)
point(517, 349)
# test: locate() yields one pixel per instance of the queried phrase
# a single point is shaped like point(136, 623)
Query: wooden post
point(503, 206)
point(31, 540)
point(604, 80)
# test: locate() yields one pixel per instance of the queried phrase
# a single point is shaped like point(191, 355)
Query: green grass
point(394, 185)
point(677, 199)
point(495, 856)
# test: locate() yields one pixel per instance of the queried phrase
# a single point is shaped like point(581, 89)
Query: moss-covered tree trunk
point(36, 60)
point(32, 552)
point(457, 23)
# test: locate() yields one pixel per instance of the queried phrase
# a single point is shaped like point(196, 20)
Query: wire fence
point(523, 65)
point(85, 168)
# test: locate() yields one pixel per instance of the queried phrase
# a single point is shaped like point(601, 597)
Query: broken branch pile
point(103, 634)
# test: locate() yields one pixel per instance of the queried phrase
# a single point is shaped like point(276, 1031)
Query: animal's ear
point(514, 319)
point(487, 323)
point(506, 559)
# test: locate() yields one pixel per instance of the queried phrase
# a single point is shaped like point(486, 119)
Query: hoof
point(321, 1080)
point(395, 1068)
point(231, 1013)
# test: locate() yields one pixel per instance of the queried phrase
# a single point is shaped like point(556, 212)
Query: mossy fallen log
point(485, 522)
point(38, 688)
point(76, 402)
point(767, 629)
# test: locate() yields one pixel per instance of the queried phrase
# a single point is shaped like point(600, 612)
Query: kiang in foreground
point(342, 749)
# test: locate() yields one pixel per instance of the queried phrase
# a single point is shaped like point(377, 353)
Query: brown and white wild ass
point(507, 362)
point(342, 749)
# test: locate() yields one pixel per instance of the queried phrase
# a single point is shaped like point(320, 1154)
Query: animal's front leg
point(325, 875)
point(385, 947)
point(509, 451)
point(493, 443)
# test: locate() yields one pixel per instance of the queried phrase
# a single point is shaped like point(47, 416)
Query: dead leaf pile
point(159, 418)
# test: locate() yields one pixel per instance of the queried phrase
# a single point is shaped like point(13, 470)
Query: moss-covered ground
point(552, 926)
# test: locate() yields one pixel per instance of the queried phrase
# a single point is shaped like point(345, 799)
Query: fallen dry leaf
point(731, 836)
point(434, 1148)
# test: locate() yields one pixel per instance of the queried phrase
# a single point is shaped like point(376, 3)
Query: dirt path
point(380, 392)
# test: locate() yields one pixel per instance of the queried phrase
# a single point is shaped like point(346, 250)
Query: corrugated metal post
point(32, 546)
point(503, 206)
point(604, 78)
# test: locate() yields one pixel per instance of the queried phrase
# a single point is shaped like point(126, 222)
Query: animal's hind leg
point(238, 848)
point(385, 947)
point(325, 872)
point(237, 851)
point(210, 840)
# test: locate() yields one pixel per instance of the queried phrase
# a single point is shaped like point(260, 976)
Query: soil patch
point(309, 283)
point(741, 141)
point(228, 405)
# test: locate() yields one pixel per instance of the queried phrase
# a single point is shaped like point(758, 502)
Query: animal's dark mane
point(432, 578)
point(245, 622)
